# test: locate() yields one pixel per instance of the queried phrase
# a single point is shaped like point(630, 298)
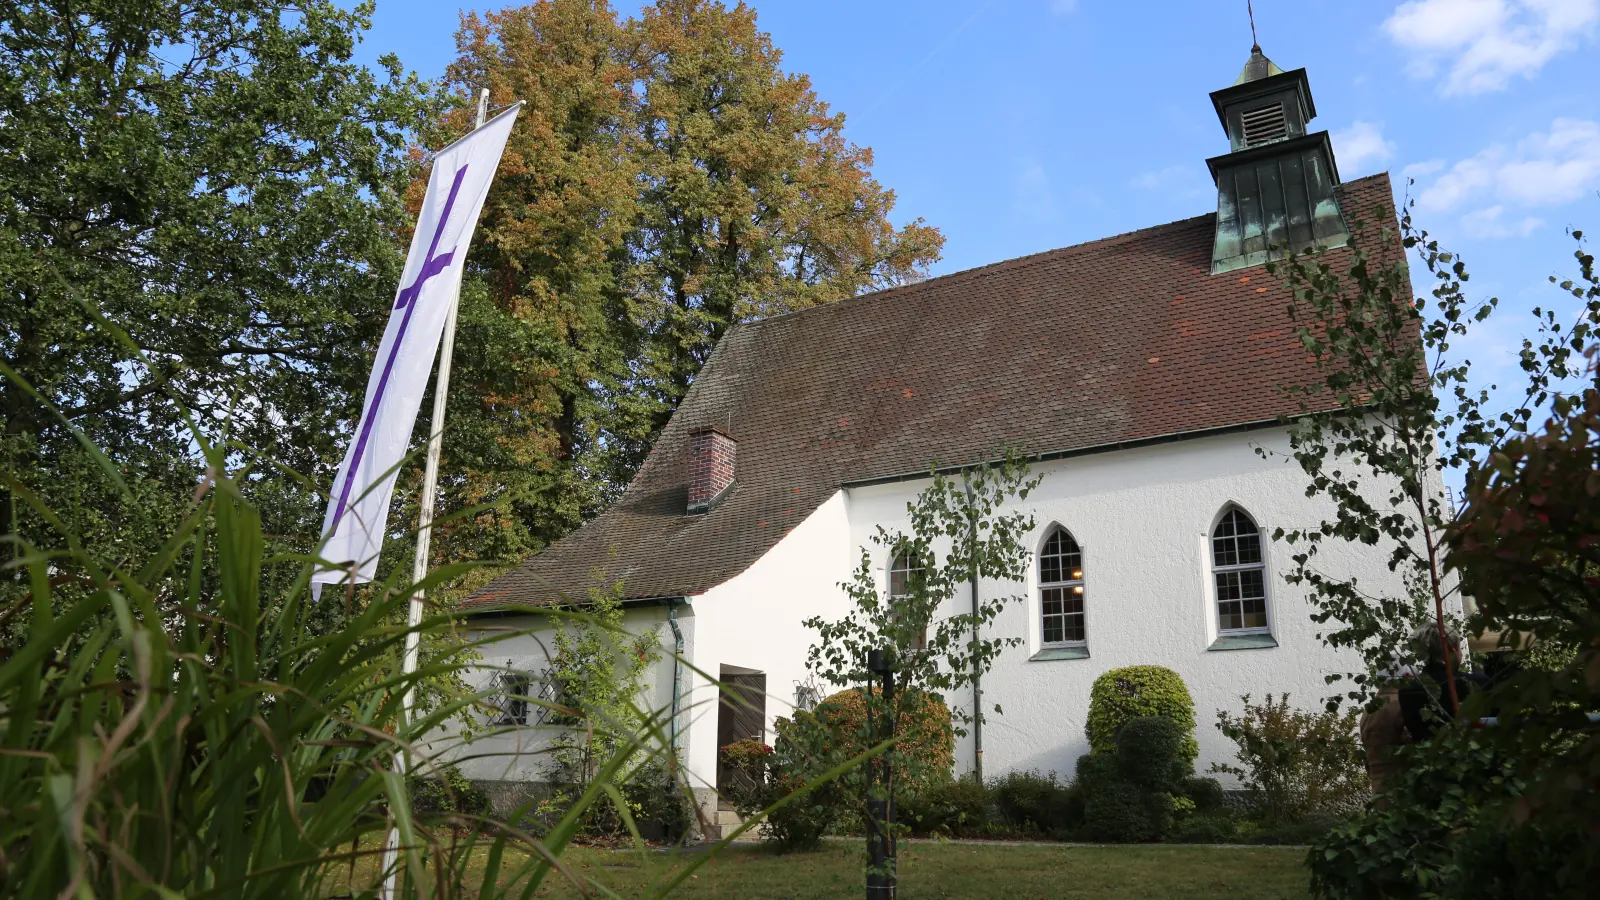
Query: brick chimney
point(711, 454)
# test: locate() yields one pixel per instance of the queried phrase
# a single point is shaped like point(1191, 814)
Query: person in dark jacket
point(1411, 702)
point(1425, 698)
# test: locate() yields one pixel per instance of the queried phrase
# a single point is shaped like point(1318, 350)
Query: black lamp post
point(880, 780)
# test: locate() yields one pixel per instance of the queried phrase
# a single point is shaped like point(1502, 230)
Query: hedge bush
point(1134, 691)
point(1120, 812)
point(1031, 803)
point(804, 748)
point(1297, 765)
point(1206, 794)
point(1215, 827)
point(1150, 754)
point(449, 792)
point(953, 808)
point(926, 739)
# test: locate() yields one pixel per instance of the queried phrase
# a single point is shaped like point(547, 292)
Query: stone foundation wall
point(505, 797)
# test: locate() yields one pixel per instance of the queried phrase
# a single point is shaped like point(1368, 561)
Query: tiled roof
point(1123, 339)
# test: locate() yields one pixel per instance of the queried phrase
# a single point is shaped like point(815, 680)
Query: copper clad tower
point(1275, 186)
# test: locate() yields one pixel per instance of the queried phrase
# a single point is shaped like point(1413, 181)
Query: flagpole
point(419, 565)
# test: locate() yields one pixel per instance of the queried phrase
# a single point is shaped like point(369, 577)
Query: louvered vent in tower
point(1264, 124)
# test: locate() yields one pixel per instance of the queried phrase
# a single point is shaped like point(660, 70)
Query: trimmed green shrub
point(1205, 793)
point(1095, 769)
point(1134, 691)
point(958, 806)
point(1216, 827)
point(1120, 812)
point(1032, 803)
point(1141, 791)
point(1150, 754)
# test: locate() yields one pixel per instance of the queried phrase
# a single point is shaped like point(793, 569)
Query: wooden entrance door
point(741, 715)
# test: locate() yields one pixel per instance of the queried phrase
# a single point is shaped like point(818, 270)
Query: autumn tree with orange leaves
point(666, 180)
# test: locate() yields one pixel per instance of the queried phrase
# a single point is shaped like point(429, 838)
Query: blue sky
point(1021, 125)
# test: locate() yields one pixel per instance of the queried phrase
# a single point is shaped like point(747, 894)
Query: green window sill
point(1060, 653)
point(1243, 642)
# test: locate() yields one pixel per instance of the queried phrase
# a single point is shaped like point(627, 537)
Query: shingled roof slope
point(1122, 339)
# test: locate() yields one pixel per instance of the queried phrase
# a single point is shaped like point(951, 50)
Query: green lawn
point(958, 871)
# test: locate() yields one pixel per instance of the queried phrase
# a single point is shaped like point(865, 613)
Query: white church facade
point(1140, 375)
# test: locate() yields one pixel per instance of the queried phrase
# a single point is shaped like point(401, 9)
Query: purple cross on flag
point(358, 505)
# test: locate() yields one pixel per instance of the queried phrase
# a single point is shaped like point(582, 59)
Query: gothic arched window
point(1061, 589)
point(1240, 573)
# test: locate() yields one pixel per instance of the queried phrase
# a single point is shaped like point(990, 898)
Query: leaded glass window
point(1061, 589)
point(1240, 573)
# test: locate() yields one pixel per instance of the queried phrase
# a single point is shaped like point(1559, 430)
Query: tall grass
point(176, 729)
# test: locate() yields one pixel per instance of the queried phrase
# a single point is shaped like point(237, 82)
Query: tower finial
point(1255, 45)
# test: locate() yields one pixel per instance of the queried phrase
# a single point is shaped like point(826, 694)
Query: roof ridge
point(1016, 262)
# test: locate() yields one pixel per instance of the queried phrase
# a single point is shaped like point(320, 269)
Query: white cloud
point(1422, 169)
point(1487, 223)
point(1360, 144)
point(1174, 180)
point(1483, 44)
point(1544, 169)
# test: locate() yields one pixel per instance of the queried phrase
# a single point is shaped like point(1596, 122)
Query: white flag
point(358, 505)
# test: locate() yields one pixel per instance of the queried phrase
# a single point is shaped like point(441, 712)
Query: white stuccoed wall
point(516, 754)
point(1142, 518)
point(752, 621)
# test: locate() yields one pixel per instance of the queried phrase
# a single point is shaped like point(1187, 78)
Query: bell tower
point(1275, 186)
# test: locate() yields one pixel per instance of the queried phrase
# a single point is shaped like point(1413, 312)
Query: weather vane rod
point(1255, 45)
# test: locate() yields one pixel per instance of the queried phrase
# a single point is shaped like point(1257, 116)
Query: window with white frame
point(1240, 574)
point(1061, 589)
point(905, 575)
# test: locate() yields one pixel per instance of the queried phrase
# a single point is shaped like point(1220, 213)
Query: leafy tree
point(753, 202)
point(1508, 806)
point(1528, 547)
point(220, 183)
point(666, 180)
point(542, 348)
point(959, 535)
point(1392, 412)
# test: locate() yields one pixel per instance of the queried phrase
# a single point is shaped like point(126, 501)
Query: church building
point(1139, 375)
